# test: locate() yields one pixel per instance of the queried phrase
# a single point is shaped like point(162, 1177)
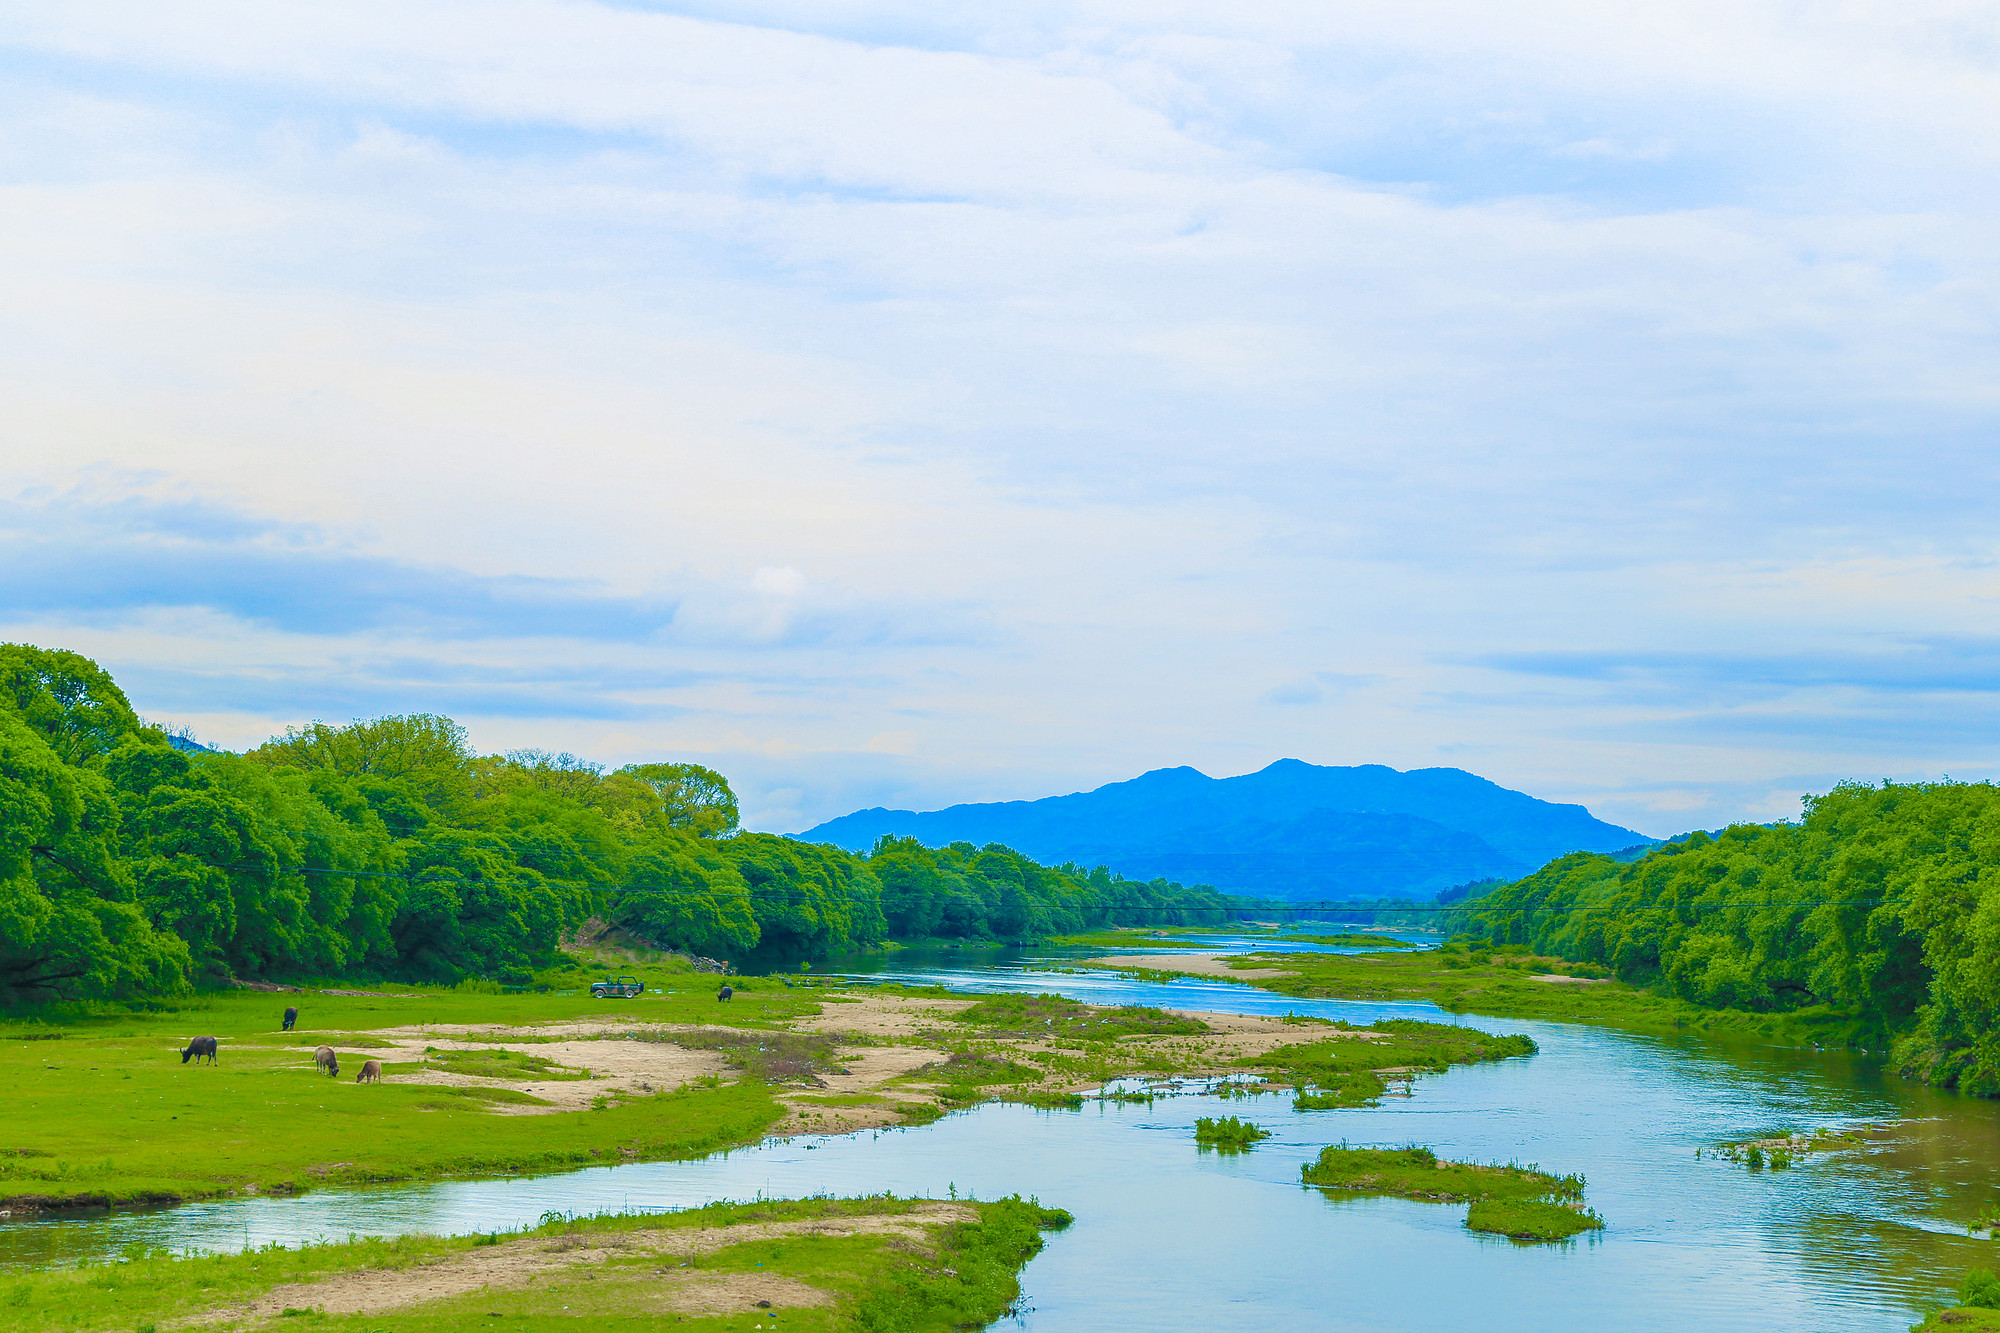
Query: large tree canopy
point(391, 848)
point(1882, 903)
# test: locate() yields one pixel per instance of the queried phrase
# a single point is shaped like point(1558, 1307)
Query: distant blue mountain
point(1293, 830)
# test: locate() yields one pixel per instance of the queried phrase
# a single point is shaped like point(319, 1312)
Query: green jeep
point(621, 988)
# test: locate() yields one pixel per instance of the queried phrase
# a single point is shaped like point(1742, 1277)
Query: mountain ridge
point(1290, 830)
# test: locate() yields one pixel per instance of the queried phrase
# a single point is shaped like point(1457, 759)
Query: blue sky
point(906, 404)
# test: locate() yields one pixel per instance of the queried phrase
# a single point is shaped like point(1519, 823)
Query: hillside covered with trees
point(132, 866)
point(1882, 905)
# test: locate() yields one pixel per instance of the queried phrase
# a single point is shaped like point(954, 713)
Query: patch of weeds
point(1050, 1101)
point(1058, 1016)
point(771, 1056)
point(1349, 1069)
point(1414, 1172)
point(1779, 1151)
point(1359, 1093)
point(1530, 1219)
point(1227, 1134)
point(497, 1063)
point(965, 1075)
point(1524, 1202)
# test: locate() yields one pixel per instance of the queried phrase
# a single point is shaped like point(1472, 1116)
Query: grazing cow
point(725, 992)
point(371, 1072)
point(328, 1062)
point(291, 1017)
point(197, 1048)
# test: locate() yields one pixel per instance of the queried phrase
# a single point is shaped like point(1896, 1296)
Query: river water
point(1170, 1238)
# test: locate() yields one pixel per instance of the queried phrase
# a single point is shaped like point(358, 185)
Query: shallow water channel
point(1170, 1238)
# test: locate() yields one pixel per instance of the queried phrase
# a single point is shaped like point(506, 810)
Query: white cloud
point(1032, 399)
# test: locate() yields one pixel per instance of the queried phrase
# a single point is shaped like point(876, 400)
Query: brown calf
point(371, 1072)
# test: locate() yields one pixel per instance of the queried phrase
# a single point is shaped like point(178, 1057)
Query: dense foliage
point(1882, 903)
point(131, 865)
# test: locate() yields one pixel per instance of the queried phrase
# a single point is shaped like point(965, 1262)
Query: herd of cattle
point(325, 1059)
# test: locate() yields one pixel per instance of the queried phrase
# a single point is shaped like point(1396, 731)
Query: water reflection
point(1171, 1239)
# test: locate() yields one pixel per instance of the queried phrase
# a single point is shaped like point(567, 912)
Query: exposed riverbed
point(1168, 1238)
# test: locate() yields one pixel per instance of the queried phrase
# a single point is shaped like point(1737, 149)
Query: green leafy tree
point(688, 796)
point(68, 698)
point(420, 753)
point(685, 893)
point(68, 924)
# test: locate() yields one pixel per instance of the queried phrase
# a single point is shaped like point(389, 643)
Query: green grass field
point(821, 1265)
point(101, 1109)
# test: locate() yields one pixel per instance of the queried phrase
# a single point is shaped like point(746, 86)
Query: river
point(1170, 1238)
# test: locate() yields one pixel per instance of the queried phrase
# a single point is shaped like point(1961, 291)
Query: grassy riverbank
point(101, 1108)
point(1517, 985)
point(821, 1264)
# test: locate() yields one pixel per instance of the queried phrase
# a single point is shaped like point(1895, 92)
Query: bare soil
point(533, 1261)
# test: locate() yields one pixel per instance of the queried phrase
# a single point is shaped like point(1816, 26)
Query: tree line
point(1881, 904)
point(131, 865)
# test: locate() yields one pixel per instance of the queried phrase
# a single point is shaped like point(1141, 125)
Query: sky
point(904, 404)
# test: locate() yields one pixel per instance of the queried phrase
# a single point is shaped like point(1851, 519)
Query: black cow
point(291, 1017)
point(725, 992)
point(197, 1048)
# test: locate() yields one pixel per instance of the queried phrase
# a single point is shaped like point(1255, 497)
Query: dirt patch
point(1557, 979)
point(617, 1067)
point(1200, 964)
point(528, 1262)
point(886, 1016)
point(623, 1067)
point(905, 1021)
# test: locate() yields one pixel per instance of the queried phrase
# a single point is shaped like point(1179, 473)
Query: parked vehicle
point(616, 988)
